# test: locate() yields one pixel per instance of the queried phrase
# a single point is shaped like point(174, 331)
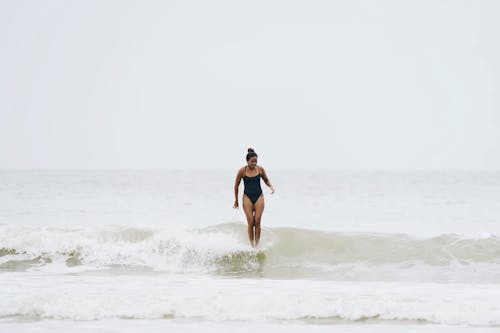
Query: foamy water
point(337, 248)
point(223, 250)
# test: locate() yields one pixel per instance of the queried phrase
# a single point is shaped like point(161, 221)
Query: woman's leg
point(248, 208)
point(259, 209)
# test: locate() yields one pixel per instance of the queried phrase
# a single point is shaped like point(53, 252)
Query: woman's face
point(252, 162)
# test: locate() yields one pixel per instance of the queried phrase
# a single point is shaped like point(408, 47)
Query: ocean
point(341, 251)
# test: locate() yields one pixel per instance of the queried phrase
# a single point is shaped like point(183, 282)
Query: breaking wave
point(224, 249)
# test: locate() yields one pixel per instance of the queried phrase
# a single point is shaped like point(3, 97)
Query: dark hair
point(251, 153)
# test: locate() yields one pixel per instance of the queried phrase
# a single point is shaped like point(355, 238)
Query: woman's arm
point(237, 182)
point(266, 179)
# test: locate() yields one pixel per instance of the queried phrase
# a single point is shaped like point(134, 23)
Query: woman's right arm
point(237, 182)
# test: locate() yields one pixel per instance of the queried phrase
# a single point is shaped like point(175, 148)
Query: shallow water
point(354, 251)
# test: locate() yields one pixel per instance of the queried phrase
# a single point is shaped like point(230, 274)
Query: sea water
point(345, 251)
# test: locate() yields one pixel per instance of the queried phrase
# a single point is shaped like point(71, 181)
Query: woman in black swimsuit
point(253, 199)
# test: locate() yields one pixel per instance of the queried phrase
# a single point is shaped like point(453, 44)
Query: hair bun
point(250, 150)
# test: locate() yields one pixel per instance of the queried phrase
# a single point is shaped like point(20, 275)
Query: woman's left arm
point(266, 179)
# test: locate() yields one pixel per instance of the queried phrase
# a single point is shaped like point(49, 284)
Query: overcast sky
point(192, 84)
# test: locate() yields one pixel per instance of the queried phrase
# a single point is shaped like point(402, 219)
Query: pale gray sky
point(191, 84)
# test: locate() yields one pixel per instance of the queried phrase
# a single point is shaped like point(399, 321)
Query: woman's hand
point(272, 189)
point(235, 206)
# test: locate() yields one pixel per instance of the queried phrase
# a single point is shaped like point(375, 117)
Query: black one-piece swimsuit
point(252, 187)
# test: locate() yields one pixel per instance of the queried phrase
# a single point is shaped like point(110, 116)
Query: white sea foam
point(181, 326)
point(223, 249)
point(222, 299)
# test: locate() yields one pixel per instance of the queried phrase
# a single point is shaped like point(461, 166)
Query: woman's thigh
point(248, 208)
point(259, 208)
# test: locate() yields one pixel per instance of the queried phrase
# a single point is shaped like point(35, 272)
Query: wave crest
point(224, 249)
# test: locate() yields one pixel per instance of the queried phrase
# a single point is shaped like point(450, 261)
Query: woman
point(253, 199)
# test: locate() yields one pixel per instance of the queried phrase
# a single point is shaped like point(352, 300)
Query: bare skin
point(253, 212)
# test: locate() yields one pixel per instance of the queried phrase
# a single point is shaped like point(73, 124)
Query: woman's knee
point(257, 222)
